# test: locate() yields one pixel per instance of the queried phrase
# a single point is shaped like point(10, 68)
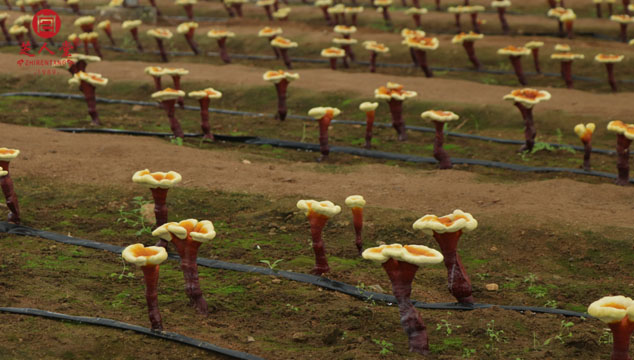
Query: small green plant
point(134, 217)
point(565, 332)
point(446, 326)
point(467, 353)
point(482, 276)
point(606, 338)
point(294, 308)
point(551, 304)
point(530, 278)
point(120, 298)
point(128, 275)
point(177, 140)
point(537, 291)
point(495, 336)
point(542, 146)
point(386, 347)
point(273, 265)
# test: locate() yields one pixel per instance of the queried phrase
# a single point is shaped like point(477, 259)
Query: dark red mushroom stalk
point(85, 23)
point(438, 5)
point(176, 74)
point(525, 100)
point(624, 137)
point(188, 6)
point(401, 263)
point(107, 28)
point(34, 4)
point(599, 11)
point(416, 13)
point(440, 118)
point(282, 45)
point(18, 31)
point(188, 29)
point(281, 79)
point(457, 12)
point(515, 55)
point(585, 134)
point(87, 83)
point(534, 46)
point(77, 62)
point(155, 72)
point(270, 34)
point(133, 26)
point(566, 66)
point(374, 48)
point(384, 6)
point(160, 35)
point(421, 45)
point(6, 155)
point(395, 95)
point(236, 6)
point(346, 41)
point(346, 44)
point(473, 13)
point(228, 8)
point(338, 13)
point(324, 115)
point(618, 313)
point(204, 97)
point(158, 11)
point(221, 38)
point(501, 6)
point(354, 13)
point(167, 98)
point(148, 259)
point(623, 21)
point(406, 33)
point(26, 21)
point(267, 6)
point(356, 204)
point(447, 231)
point(324, 5)
point(91, 38)
point(187, 236)
point(74, 6)
point(318, 214)
point(556, 13)
point(3, 26)
point(609, 61)
point(568, 18)
point(159, 184)
point(610, 7)
point(7, 3)
point(369, 108)
point(468, 41)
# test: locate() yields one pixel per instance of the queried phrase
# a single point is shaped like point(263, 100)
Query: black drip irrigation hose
point(254, 114)
point(320, 281)
point(166, 335)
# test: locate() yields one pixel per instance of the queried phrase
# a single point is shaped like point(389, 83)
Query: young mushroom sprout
point(159, 183)
point(87, 83)
point(447, 231)
point(468, 40)
point(416, 14)
point(283, 44)
point(3, 27)
point(281, 79)
point(188, 6)
point(566, 65)
point(167, 98)
point(501, 6)
point(395, 95)
point(187, 236)
point(534, 46)
point(6, 155)
point(585, 134)
point(623, 21)
point(420, 45)
point(148, 259)
point(374, 48)
point(133, 26)
point(618, 313)
point(440, 118)
point(515, 55)
point(334, 53)
point(369, 108)
point(324, 5)
point(318, 214)
point(356, 204)
point(525, 100)
point(176, 74)
point(324, 115)
point(188, 29)
point(401, 263)
point(383, 6)
point(609, 60)
point(270, 33)
point(267, 5)
point(204, 96)
point(354, 12)
point(159, 35)
point(624, 137)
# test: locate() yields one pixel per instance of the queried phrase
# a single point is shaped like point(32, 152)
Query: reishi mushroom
point(187, 236)
point(618, 313)
point(283, 44)
point(334, 53)
point(440, 118)
point(159, 184)
point(85, 23)
point(270, 33)
point(324, 5)
point(416, 14)
point(282, 14)
point(6, 155)
point(609, 60)
point(155, 72)
point(324, 115)
point(318, 214)
point(624, 137)
point(515, 55)
point(401, 263)
point(420, 45)
point(176, 74)
point(18, 31)
point(78, 62)
point(338, 13)
point(369, 108)
point(3, 27)
point(585, 134)
point(204, 96)
point(468, 40)
point(597, 5)
point(159, 35)
point(266, 5)
point(568, 19)
point(383, 6)
point(133, 26)
point(395, 95)
point(556, 13)
point(167, 98)
point(447, 231)
point(188, 6)
point(74, 39)
point(148, 259)
point(534, 46)
point(525, 100)
point(623, 21)
point(501, 6)
point(26, 21)
point(473, 11)
point(405, 33)
point(353, 11)
point(106, 26)
point(91, 38)
point(356, 204)
point(281, 79)
point(188, 29)
point(346, 44)
point(374, 48)
point(566, 65)
point(87, 83)
point(236, 5)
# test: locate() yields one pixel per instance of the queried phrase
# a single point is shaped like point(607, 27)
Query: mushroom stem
point(108, 32)
point(529, 127)
point(421, 59)
point(610, 10)
point(160, 206)
point(333, 63)
point(621, 333)
point(599, 10)
point(86, 49)
point(444, 162)
point(238, 9)
point(369, 123)
point(135, 36)
point(317, 223)
point(610, 68)
point(373, 56)
point(170, 108)
point(281, 87)
point(437, 5)
point(569, 29)
point(386, 16)
point(502, 16)
point(75, 8)
point(177, 86)
point(9, 194)
point(3, 26)
point(87, 27)
point(159, 42)
point(396, 109)
point(469, 47)
point(327, 17)
point(626, 6)
point(416, 3)
point(622, 165)
point(357, 219)
point(623, 33)
point(566, 73)
point(222, 47)
point(458, 25)
point(474, 22)
point(286, 58)
point(587, 152)
point(417, 22)
point(269, 13)
point(95, 45)
point(229, 10)
point(188, 252)
point(459, 284)
point(353, 19)
point(189, 37)
point(552, 4)
point(412, 54)
point(158, 12)
point(516, 61)
point(204, 118)
point(401, 275)
point(275, 50)
point(349, 52)
point(157, 83)
point(151, 277)
point(560, 28)
point(89, 94)
point(189, 10)
point(8, 4)
point(535, 52)
point(324, 123)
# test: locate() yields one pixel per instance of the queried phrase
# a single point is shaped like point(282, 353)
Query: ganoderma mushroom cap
point(412, 32)
point(265, 3)
point(157, 179)
point(279, 75)
point(375, 46)
point(422, 43)
point(619, 127)
point(622, 19)
point(115, 3)
point(439, 115)
point(2, 172)
point(368, 106)
point(81, 57)
point(200, 231)
point(283, 43)
point(168, 94)
point(269, 31)
point(282, 13)
point(324, 208)
point(18, 29)
point(528, 97)
point(611, 309)
point(319, 112)
point(631, 42)
point(88, 36)
point(333, 52)
point(566, 56)
point(91, 78)
point(534, 44)
point(470, 36)
point(416, 11)
point(383, 3)
point(454, 222)
point(354, 9)
point(585, 131)
point(130, 24)
point(393, 91)
point(3, 16)
point(345, 30)
point(175, 71)
point(418, 255)
point(104, 24)
point(514, 51)
point(140, 255)
point(323, 3)
point(186, 26)
point(186, 2)
point(569, 15)
point(342, 41)
point(337, 9)
point(23, 20)
point(562, 47)
point(218, 34)
point(84, 20)
point(608, 58)
point(8, 154)
point(69, 2)
point(356, 201)
point(160, 33)
point(556, 12)
point(154, 70)
point(500, 3)
point(207, 93)
point(72, 37)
